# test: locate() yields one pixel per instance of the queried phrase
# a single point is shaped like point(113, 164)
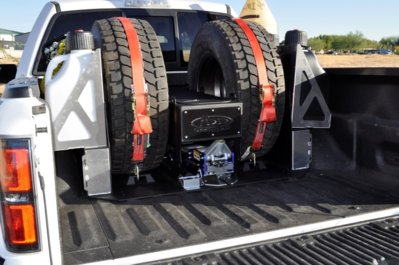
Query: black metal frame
point(306, 71)
point(306, 105)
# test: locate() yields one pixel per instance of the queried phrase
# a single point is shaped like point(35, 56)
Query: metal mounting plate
point(309, 109)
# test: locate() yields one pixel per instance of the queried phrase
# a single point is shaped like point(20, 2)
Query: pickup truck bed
point(354, 172)
point(96, 229)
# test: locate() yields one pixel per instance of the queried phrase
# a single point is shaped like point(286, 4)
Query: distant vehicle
point(332, 52)
point(369, 51)
point(384, 51)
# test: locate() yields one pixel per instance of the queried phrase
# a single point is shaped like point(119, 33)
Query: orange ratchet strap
point(268, 112)
point(142, 122)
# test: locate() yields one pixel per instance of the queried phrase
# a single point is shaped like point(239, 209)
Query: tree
point(349, 42)
point(317, 44)
point(354, 40)
point(389, 42)
point(372, 44)
point(328, 39)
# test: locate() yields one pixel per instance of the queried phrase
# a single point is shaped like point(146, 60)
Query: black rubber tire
point(110, 36)
point(222, 59)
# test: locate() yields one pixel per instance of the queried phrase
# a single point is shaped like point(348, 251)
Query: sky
point(374, 18)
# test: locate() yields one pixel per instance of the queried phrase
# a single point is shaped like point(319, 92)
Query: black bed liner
point(94, 230)
point(371, 243)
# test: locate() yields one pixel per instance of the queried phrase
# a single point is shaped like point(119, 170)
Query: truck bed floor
point(95, 229)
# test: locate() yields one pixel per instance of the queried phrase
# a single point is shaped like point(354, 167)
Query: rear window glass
point(164, 29)
point(64, 23)
point(189, 24)
point(68, 23)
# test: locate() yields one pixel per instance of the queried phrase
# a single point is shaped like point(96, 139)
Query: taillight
point(17, 177)
point(19, 214)
point(20, 223)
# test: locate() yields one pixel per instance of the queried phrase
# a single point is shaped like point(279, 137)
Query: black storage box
point(206, 120)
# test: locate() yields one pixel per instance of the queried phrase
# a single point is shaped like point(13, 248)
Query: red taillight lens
point(18, 205)
point(20, 223)
point(15, 170)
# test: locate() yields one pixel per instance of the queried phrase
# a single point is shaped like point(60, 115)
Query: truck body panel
point(43, 175)
point(67, 5)
point(32, 46)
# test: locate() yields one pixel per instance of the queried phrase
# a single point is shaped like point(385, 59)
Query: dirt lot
point(6, 61)
point(327, 61)
point(372, 60)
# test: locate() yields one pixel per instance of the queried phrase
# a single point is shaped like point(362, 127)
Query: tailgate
point(368, 243)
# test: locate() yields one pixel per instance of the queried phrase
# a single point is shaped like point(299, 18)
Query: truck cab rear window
point(189, 23)
point(164, 29)
point(69, 22)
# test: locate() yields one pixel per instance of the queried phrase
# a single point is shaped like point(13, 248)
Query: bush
point(353, 41)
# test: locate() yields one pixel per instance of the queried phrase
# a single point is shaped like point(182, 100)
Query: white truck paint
point(43, 175)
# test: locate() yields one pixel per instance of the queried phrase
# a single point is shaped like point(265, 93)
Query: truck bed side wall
point(364, 136)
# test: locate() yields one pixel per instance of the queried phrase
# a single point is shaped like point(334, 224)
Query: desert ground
point(6, 61)
point(356, 60)
point(326, 61)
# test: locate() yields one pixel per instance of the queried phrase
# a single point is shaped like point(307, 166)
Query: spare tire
point(222, 64)
point(109, 35)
